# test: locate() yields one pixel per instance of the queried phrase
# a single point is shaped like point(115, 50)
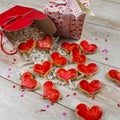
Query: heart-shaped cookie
point(114, 75)
point(50, 93)
point(68, 46)
point(85, 113)
point(45, 43)
point(27, 47)
point(57, 59)
point(27, 81)
point(77, 57)
point(90, 87)
point(42, 69)
point(66, 75)
point(88, 48)
point(88, 70)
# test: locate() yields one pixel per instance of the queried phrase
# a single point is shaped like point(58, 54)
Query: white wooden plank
point(107, 41)
point(107, 98)
point(18, 105)
point(106, 14)
point(113, 1)
point(36, 4)
point(4, 6)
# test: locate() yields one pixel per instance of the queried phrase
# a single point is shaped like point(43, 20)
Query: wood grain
point(104, 31)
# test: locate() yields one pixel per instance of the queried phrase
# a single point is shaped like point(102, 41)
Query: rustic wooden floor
point(103, 30)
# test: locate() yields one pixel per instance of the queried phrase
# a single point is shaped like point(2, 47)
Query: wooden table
point(103, 30)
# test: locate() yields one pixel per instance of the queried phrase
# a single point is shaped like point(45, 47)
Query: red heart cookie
point(90, 88)
point(77, 57)
point(45, 43)
point(50, 93)
point(88, 70)
point(28, 82)
point(114, 75)
point(85, 113)
point(66, 75)
point(87, 48)
point(27, 47)
point(42, 69)
point(57, 59)
point(68, 46)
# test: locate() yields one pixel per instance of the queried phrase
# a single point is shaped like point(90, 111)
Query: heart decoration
point(88, 48)
point(45, 43)
point(57, 59)
point(77, 57)
point(85, 113)
point(90, 88)
point(114, 75)
point(68, 46)
point(66, 75)
point(88, 70)
point(42, 69)
point(27, 81)
point(50, 93)
point(27, 47)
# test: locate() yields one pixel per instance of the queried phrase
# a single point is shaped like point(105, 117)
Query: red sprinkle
point(74, 93)
point(14, 59)
point(14, 86)
point(93, 97)
point(67, 95)
point(42, 110)
point(118, 105)
point(106, 40)
point(106, 58)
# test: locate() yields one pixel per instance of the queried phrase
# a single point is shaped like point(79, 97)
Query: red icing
point(66, 75)
point(91, 88)
point(49, 92)
point(87, 48)
point(45, 43)
point(28, 46)
point(114, 75)
point(77, 57)
point(57, 59)
point(88, 70)
point(27, 81)
point(43, 68)
point(68, 46)
point(93, 113)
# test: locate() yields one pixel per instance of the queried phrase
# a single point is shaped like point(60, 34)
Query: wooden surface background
point(104, 30)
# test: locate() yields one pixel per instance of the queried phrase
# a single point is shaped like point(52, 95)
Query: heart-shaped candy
point(114, 75)
point(57, 59)
point(42, 69)
point(77, 57)
point(27, 47)
point(50, 93)
point(66, 75)
point(45, 43)
point(88, 70)
point(68, 46)
point(85, 113)
point(88, 48)
point(27, 81)
point(90, 88)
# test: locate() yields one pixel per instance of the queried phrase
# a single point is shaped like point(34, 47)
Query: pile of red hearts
point(77, 53)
